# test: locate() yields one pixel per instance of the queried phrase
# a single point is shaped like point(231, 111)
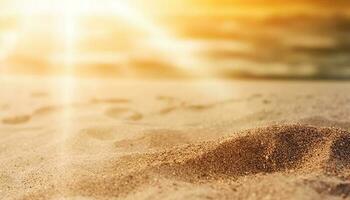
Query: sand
point(174, 139)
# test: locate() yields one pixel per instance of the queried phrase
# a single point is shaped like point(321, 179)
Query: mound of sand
point(277, 162)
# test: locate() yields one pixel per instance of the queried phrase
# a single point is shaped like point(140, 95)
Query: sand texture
point(174, 140)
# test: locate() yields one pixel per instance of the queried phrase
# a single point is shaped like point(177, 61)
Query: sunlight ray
point(174, 50)
point(159, 37)
point(68, 26)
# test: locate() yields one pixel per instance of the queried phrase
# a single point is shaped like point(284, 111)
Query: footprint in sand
point(99, 133)
point(48, 110)
point(20, 119)
point(123, 113)
point(266, 101)
point(45, 110)
point(168, 110)
point(199, 107)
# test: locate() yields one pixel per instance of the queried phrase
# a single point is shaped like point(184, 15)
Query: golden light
point(68, 29)
point(67, 15)
point(66, 24)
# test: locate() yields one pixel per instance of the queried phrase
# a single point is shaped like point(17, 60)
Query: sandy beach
point(174, 100)
point(109, 139)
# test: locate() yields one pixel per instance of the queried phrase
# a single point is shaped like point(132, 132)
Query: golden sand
point(289, 144)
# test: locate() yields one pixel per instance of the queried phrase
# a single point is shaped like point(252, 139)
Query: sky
point(306, 39)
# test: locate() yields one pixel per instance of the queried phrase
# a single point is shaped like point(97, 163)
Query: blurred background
point(299, 39)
